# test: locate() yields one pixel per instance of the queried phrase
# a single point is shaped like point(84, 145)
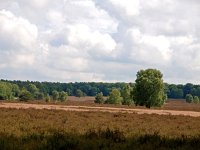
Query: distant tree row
point(180, 91)
point(116, 96)
point(10, 91)
point(73, 89)
point(148, 90)
point(92, 88)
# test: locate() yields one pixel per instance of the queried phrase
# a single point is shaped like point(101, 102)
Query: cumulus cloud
point(127, 6)
point(18, 39)
point(16, 32)
point(107, 40)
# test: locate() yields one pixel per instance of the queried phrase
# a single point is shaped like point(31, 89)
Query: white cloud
point(131, 7)
point(160, 43)
point(91, 40)
point(81, 36)
point(18, 41)
point(16, 32)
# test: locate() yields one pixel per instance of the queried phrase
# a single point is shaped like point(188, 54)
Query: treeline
point(12, 89)
point(180, 91)
point(87, 88)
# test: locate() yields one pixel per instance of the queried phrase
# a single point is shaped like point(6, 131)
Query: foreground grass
point(51, 129)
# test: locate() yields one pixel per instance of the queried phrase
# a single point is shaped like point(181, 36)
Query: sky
point(99, 40)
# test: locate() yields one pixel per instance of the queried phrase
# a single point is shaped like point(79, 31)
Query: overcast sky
point(99, 40)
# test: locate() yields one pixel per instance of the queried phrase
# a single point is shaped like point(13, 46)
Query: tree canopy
point(40, 90)
point(99, 98)
point(149, 88)
point(114, 97)
point(126, 94)
point(189, 98)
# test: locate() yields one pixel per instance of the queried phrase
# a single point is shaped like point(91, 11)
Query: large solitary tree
point(149, 88)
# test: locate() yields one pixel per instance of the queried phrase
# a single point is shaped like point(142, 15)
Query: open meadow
point(58, 129)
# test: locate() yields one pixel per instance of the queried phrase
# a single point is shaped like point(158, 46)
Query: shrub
point(25, 95)
point(196, 100)
point(47, 98)
point(114, 97)
point(55, 95)
point(189, 98)
point(99, 98)
point(63, 96)
point(127, 95)
point(79, 93)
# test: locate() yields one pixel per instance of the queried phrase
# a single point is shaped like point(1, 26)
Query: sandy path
point(101, 109)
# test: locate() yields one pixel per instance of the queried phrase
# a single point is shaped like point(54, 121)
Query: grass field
point(53, 129)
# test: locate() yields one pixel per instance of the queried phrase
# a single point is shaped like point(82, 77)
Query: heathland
point(56, 129)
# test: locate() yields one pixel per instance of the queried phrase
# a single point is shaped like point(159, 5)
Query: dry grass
point(55, 129)
point(171, 104)
point(20, 122)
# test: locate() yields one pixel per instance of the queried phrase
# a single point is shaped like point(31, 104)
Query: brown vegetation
point(57, 129)
point(19, 122)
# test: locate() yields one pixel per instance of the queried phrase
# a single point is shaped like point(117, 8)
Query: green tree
point(39, 96)
point(79, 93)
point(189, 98)
point(99, 98)
point(5, 91)
point(149, 88)
point(55, 95)
point(32, 88)
point(15, 90)
point(175, 92)
point(47, 98)
point(187, 88)
point(63, 96)
point(196, 91)
point(114, 97)
point(25, 95)
point(126, 95)
point(196, 100)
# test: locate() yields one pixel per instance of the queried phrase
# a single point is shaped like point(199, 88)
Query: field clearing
point(174, 109)
point(20, 121)
point(171, 104)
point(86, 125)
point(99, 109)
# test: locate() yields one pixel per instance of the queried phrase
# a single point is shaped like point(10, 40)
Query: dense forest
point(85, 88)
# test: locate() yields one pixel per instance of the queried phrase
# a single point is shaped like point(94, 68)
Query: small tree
point(99, 98)
point(127, 95)
point(15, 90)
point(32, 89)
point(79, 93)
point(63, 96)
point(189, 98)
point(47, 98)
point(196, 100)
point(25, 95)
point(6, 92)
point(55, 95)
point(39, 96)
point(114, 97)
